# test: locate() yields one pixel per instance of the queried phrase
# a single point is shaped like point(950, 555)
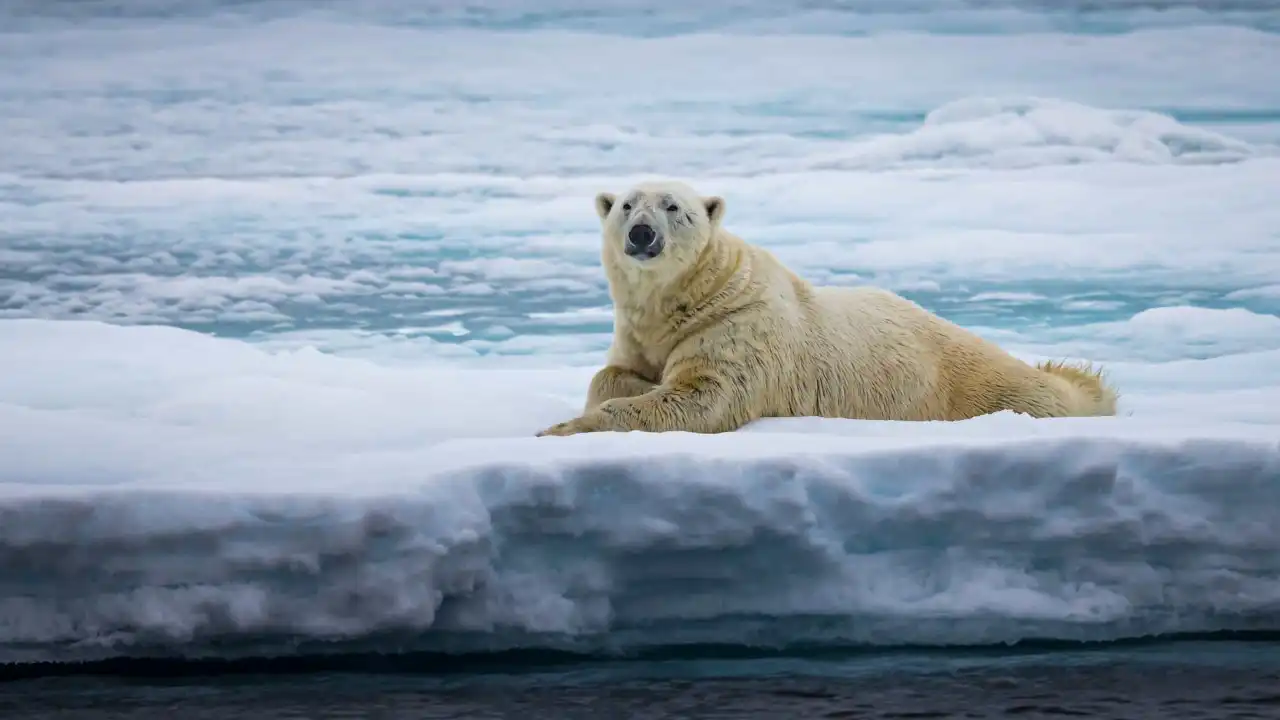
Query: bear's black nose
point(641, 237)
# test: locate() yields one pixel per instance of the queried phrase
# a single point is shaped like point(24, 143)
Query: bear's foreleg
point(613, 382)
point(700, 399)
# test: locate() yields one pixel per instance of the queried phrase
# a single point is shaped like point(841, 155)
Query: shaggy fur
point(712, 333)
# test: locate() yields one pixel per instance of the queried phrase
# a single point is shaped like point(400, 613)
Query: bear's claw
point(563, 429)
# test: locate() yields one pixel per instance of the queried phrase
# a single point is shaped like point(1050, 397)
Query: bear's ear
point(715, 209)
point(604, 203)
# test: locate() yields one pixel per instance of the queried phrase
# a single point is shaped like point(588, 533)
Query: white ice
point(372, 224)
point(164, 487)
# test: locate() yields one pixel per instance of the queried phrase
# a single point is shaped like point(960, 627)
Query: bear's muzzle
point(643, 242)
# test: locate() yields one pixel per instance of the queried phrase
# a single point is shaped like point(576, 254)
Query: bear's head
point(658, 226)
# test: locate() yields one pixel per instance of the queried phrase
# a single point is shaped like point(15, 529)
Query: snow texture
point(162, 487)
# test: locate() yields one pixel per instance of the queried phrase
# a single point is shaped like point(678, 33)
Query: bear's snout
point(642, 242)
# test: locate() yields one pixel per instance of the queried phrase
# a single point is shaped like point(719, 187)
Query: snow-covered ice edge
point(167, 492)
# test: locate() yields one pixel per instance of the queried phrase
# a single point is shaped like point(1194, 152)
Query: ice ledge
point(948, 534)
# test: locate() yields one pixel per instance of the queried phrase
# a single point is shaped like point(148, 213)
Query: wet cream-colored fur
point(711, 333)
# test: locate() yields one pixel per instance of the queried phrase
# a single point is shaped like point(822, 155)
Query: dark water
point(1186, 680)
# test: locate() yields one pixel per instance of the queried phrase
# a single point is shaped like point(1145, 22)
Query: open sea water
point(398, 181)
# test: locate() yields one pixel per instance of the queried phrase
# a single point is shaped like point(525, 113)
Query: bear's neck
point(666, 312)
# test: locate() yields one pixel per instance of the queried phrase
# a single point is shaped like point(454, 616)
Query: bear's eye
point(626, 207)
point(672, 208)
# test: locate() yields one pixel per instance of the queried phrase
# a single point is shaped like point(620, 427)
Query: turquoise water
point(402, 180)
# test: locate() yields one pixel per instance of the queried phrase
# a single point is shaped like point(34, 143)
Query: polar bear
point(711, 333)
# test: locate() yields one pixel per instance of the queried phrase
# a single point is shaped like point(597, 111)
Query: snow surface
point(287, 289)
point(162, 486)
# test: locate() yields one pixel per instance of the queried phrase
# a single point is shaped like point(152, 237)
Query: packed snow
point(162, 487)
point(285, 295)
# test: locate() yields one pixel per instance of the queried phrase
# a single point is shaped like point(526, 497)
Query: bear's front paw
point(572, 427)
